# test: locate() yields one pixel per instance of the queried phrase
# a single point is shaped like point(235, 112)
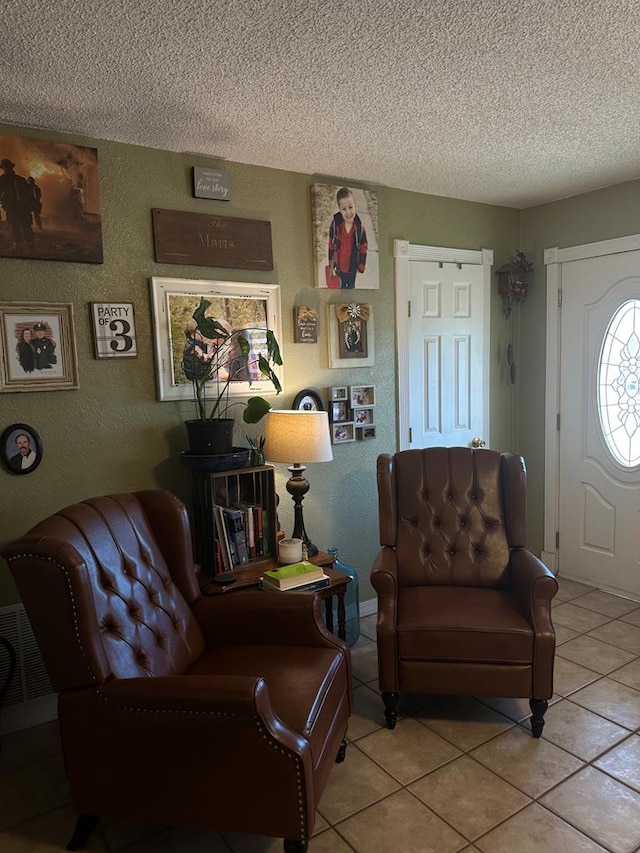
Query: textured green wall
point(111, 434)
point(600, 215)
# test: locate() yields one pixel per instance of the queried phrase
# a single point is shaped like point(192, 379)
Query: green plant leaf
point(256, 409)
point(209, 327)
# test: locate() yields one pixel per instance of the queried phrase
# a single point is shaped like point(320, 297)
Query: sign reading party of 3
point(114, 331)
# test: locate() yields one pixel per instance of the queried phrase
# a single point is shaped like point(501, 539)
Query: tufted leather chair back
point(452, 514)
point(107, 584)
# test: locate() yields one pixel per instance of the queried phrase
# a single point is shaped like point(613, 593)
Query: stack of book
point(239, 535)
point(303, 576)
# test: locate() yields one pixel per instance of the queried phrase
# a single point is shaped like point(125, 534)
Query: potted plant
point(215, 355)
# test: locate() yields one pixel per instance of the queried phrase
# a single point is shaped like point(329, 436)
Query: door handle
point(478, 442)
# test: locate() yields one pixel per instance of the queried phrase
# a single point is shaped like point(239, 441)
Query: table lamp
point(304, 436)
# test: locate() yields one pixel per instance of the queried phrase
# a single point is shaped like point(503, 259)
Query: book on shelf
point(234, 519)
point(222, 538)
point(303, 584)
point(293, 575)
point(253, 528)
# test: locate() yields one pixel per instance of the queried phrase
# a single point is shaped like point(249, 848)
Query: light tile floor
point(457, 773)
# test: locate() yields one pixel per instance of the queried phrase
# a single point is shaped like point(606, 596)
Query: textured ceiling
point(514, 102)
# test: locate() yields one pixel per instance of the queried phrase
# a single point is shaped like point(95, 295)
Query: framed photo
point(362, 396)
point(334, 209)
point(363, 417)
point(339, 393)
point(363, 433)
point(341, 433)
point(253, 307)
point(51, 201)
point(350, 335)
point(37, 347)
point(20, 449)
point(114, 330)
point(308, 400)
point(339, 412)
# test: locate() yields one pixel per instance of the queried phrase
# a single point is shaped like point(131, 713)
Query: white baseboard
point(369, 608)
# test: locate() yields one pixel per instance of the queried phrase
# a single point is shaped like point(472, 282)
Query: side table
point(337, 587)
point(248, 576)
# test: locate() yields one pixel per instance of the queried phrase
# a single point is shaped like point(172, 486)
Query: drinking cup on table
point(289, 551)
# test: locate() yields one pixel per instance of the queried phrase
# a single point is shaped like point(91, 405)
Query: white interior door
point(443, 346)
point(599, 439)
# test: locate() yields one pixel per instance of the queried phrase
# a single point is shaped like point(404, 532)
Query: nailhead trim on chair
point(296, 758)
point(181, 711)
point(72, 600)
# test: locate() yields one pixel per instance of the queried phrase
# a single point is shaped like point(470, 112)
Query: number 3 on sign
point(114, 330)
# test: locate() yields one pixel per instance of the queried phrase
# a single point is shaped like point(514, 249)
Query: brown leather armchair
point(225, 712)
point(463, 607)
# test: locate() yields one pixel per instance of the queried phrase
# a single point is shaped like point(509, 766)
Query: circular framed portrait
point(20, 449)
point(308, 400)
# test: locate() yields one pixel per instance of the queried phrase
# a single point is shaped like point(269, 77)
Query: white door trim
point(553, 259)
point(403, 253)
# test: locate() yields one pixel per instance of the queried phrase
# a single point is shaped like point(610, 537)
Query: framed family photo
point(37, 347)
point(20, 449)
point(350, 335)
point(345, 237)
point(50, 200)
point(237, 305)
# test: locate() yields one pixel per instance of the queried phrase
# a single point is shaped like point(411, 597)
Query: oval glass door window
point(619, 385)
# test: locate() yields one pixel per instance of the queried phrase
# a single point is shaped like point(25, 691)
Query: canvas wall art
point(345, 237)
point(49, 200)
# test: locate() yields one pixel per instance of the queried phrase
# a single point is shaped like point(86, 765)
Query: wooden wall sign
point(305, 325)
point(181, 237)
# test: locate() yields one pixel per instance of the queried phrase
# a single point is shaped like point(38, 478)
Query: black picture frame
point(11, 450)
point(308, 400)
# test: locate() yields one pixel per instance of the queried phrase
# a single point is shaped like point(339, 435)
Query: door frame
point(553, 259)
point(404, 252)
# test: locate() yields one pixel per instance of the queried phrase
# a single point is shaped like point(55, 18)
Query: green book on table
point(295, 574)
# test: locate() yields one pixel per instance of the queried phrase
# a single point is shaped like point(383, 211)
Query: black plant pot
point(210, 437)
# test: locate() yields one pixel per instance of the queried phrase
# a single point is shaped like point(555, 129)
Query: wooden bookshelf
point(231, 489)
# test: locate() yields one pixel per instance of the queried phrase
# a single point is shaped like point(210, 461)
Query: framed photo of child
point(345, 237)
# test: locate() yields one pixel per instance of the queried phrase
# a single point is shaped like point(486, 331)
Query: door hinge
point(557, 539)
point(558, 421)
point(408, 309)
point(410, 435)
point(560, 298)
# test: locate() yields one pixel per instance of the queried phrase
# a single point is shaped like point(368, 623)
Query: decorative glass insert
point(619, 384)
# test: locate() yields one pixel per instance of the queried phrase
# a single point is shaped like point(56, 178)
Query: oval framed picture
point(308, 400)
point(20, 449)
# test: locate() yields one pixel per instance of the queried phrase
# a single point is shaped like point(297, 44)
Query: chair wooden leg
point(341, 752)
point(85, 825)
point(538, 710)
point(391, 708)
point(295, 846)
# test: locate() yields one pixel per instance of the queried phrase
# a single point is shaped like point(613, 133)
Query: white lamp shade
point(291, 435)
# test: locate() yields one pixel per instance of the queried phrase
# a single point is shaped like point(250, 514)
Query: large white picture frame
point(173, 302)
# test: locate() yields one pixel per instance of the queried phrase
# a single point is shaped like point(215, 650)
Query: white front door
point(599, 439)
point(443, 345)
